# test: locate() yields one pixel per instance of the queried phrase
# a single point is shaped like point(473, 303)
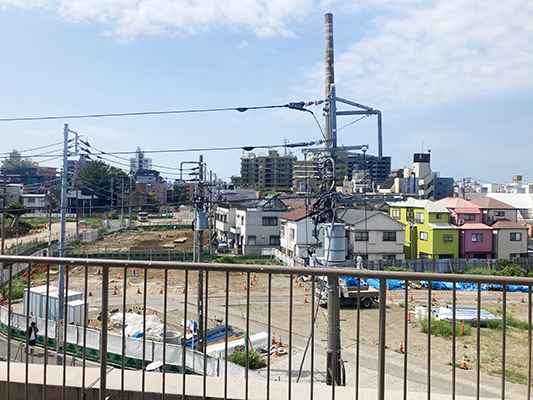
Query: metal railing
point(269, 300)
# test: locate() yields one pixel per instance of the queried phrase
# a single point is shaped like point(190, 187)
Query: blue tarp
point(511, 288)
point(137, 335)
point(353, 281)
point(393, 284)
point(213, 335)
point(449, 285)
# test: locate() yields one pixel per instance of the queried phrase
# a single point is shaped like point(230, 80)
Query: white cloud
point(128, 18)
point(424, 53)
point(242, 45)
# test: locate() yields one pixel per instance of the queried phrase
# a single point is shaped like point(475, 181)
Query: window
point(516, 236)
point(270, 221)
point(389, 256)
point(439, 216)
point(499, 213)
point(292, 234)
point(445, 256)
point(251, 240)
point(282, 231)
point(448, 238)
point(361, 236)
point(274, 240)
point(423, 236)
point(477, 237)
point(420, 217)
point(389, 236)
point(396, 213)
point(470, 217)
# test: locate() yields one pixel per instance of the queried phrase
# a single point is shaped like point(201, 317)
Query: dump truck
point(348, 292)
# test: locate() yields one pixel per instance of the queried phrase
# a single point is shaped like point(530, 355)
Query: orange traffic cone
point(276, 353)
point(138, 290)
point(225, 289)
point(522, 299)
point(279, 342)
point(499, 298)
point(305, 299)
point(432, 297)
point(183, 290)
point(390, 296)
point(463, 363)
point(244, 287)
point(400, 348)
point(409, 316)
point(295, 280)
point(273, 338)
point(305, 289)
point(161, 291)
point(475, 298)
point(410, 296)
point(154, 313)
point(118, 276)
point(253, 278)
point(90, 293)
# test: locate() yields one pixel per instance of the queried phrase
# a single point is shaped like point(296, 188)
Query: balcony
point(255, 299)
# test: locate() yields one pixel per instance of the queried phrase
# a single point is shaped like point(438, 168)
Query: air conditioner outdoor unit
point(461, 222)
point(409, 213)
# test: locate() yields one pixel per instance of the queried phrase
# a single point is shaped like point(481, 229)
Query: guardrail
point(271, 300)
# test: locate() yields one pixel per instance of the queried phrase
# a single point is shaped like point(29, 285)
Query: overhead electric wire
point(35, 148)
point(353, 122)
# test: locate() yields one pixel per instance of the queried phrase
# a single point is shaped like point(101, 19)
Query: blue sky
point(452, 76)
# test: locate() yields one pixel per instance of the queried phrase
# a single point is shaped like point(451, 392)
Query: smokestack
point(330, 71)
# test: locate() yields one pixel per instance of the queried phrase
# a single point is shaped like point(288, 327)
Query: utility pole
point(131, 194)
point(112, 195)
point(198, 228)
point(122, 205)
point(4, 208)
point(61, 284)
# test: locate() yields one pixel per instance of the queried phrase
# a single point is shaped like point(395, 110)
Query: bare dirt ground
point(416, 344)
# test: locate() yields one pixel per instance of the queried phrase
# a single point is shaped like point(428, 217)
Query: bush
point(226, 260)
point(255, 361)
point(443, 328)
point(396, 269)
point(17, 288)
point(510, 269)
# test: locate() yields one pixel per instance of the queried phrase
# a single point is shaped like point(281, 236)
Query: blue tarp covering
point(458, 285)
point(214, 335)
point(353, 281)
point(394, 284)
point(511, 288)
point(137, 335)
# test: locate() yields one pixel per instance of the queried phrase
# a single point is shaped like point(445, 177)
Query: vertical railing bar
point(184, 356)
point(504, 338)
point(529, 344)
point(206, 319)
point(124, 310)
point(454, 321)
point(269, 329)
point(165, 310)
point(405, 338)
point(103, 336)
point(9, 330)
point(64, 327)
point(290, 338)
point(357, 338)
point(246, 338)
point(27, 333)
point(428, 365)
point(85, 321)
point(313, 319)
point(478, 346)
point(381, 339)
point(143, 373)
point(45, 362)
point(226, 318)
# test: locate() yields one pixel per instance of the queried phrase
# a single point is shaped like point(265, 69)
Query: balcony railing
point(87, 361)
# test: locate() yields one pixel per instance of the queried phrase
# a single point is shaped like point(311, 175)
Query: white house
point(373, 235)
point(510, 239)
point(296, 234)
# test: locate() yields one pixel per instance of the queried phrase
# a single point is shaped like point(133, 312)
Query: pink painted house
point(475, 238)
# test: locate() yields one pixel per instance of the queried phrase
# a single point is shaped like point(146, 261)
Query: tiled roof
point(489, 202)
point(469, 210)
point(353, 216)
point(504, 223)
point(428, 205)
point(296, 215)
point(456, 202)
point(474, 225)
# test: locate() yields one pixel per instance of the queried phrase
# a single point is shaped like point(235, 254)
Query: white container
point(334, 242)
point(77, 312)
point(172, 337)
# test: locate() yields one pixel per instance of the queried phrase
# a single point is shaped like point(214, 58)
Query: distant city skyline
point(452, 76)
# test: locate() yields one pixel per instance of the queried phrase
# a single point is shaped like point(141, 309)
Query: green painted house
point(428, 231)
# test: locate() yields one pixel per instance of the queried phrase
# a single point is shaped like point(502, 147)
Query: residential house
point(373, 235)
point(510, 239)
point(83, 201)
point(35, 203)
point(428, 231)
point(475, 237)
point(494, 209)
point(297, 237)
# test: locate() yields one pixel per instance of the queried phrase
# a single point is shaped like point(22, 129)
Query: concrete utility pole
point(61, 284)
point(200, 205)
point(131, 191)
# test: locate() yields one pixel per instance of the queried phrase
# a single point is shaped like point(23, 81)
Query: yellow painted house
point(428, 231)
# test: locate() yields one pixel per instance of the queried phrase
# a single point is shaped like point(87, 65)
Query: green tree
point(178, 193)
point(15, 211)
point(153, 203)
point(97, 175)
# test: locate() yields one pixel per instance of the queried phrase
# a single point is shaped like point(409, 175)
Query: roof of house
point(296, 215)
point(428, 205)
point(353, 216)
point(441, 225)
point(504, 223)
point(456, 202)
point(489, 202)
point(474, 225)
point(468, 210)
